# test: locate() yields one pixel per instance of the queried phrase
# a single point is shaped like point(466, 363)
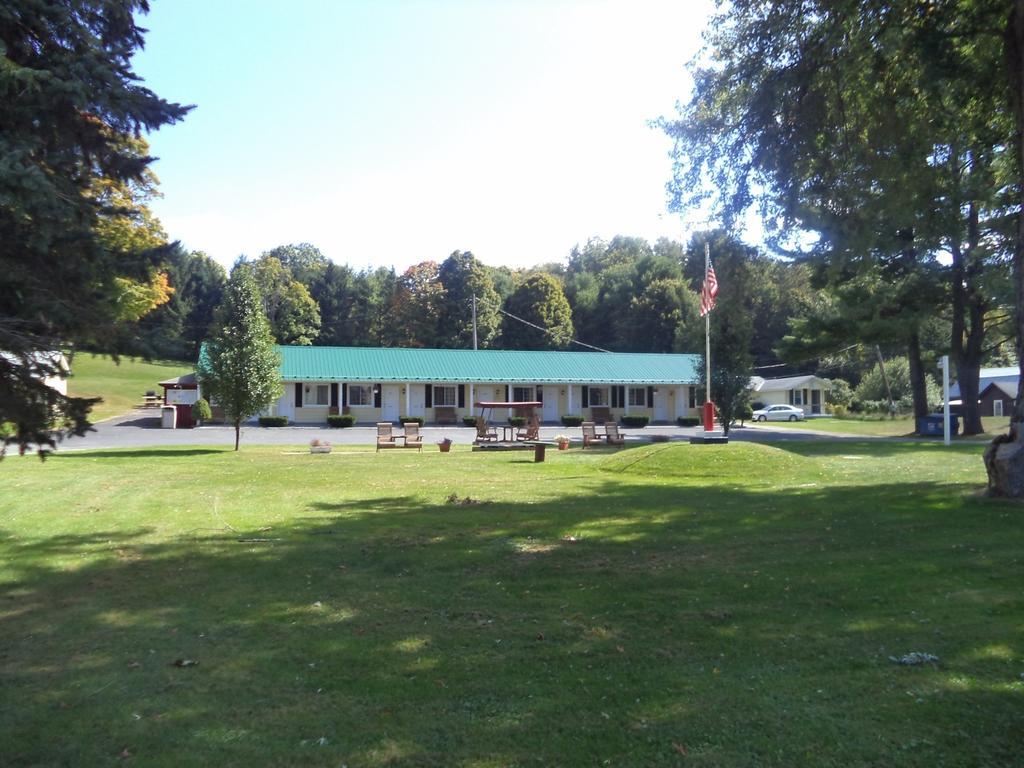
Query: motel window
point(323, 394)
point(360, 395)
point(599, 396)
point(638, 396)
point(798, 397)
point(445, 395)
point(522, 394)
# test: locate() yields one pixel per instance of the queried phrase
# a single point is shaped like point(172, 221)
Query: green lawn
point(670, 605)
point(903, 426)
point(121, 386)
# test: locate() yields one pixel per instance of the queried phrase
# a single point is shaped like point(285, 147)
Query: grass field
point(670, 605)
point(903, 426)
point(121, 386)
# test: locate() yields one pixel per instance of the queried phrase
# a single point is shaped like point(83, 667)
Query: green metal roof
point(374, 364)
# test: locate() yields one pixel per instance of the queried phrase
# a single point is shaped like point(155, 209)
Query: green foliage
point(293, 314)
point(70, 109)
point(341, 421)
point(417, 306)
point(540, 300)
point(871, 395)
point(517, 421)
point(571, 420)
point(411, 420)
point(840, 394)
point(469, 421)
point(635, 421)
point(273, 421)
point(201, 410)
point(239, 369)
point(462, 277)
point(687, 421)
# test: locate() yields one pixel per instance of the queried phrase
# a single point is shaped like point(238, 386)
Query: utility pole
point(474, 321)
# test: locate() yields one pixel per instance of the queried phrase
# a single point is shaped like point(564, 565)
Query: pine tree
point(239, 368)
point(69, 103)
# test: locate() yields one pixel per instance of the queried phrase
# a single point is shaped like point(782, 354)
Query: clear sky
point(388, 132)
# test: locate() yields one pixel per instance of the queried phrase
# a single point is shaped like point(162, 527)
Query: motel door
point(661, 404)
point(417, 402)
point(550, 410)
point(389, 402)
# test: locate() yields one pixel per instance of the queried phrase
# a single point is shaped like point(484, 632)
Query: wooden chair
point(611, 434)
point(385, 439)
point(485, 431)
point(531, 431)
point(413, 438)
point(590, 436)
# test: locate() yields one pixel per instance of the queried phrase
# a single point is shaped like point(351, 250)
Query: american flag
point(709, 291)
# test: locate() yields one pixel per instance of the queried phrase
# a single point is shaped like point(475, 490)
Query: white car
point(779, 413)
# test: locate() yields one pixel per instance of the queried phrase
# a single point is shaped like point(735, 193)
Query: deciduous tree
point(239, 369)
point(539, 299)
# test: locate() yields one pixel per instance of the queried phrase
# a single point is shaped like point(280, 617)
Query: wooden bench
point(599, 414)
point(444, 414)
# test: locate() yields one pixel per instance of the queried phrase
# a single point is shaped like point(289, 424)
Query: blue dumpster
point(931, 425)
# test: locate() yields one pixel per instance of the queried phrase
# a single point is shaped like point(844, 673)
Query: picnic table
point(539, 446)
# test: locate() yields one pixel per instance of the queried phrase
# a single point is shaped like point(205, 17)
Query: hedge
point(469, 421)
point(572, 421)
point(411, 420)
point(273, 421)
point(688, 421)
point(342, 421)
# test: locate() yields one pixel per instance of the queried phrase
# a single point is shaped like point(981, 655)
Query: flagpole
point(707, 327)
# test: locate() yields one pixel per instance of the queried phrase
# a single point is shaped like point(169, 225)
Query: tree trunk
point(917, 376)
point(968, 330)
point(238, 432)
point(1004, 458)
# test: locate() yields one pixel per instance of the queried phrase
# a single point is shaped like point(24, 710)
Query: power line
point(551, 333)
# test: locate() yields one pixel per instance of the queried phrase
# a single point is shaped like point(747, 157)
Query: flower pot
point(319, 449)
point(445, 446)
point(563, 446)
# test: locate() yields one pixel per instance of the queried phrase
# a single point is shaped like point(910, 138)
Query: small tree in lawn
point(239, 367)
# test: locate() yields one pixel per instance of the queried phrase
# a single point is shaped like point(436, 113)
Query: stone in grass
point(915, 659)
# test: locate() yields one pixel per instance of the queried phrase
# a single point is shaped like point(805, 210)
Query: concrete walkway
point(141, 428)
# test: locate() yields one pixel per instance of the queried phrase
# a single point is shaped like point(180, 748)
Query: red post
point(709, 416)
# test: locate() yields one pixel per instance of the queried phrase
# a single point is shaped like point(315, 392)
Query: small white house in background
point(58, 383)
point(807, 392)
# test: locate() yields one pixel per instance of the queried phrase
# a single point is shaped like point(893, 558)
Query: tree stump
point(1004, 462)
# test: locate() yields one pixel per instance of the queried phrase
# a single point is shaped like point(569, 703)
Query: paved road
point(141, 428)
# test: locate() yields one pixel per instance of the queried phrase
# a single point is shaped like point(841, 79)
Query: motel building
point(441, 385)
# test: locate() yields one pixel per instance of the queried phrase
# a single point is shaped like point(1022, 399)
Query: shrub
point(688, 421)
point(839, 411)
point(572, 421)
point(517, 421)
point(411, 420)
point(746, 413)
point(273, 421)
point(756, 406)
point(469, 421)
point(201, 410)
point(338, 422)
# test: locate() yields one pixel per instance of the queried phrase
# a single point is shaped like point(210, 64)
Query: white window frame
point(368, 388)
point(605, 398)
point(531, 394)
point(635, 402)
point(798, 397)
point(439, 402)
point(997, 408)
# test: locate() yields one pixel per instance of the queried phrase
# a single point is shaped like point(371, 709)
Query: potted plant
point(563, 442)
point(445, 445)
point(319, 446)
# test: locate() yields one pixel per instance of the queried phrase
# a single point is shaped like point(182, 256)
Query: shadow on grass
point(137, 453)
point(605, 626)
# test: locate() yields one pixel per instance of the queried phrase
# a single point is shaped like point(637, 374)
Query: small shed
point(807, 392)
point(181, 390)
